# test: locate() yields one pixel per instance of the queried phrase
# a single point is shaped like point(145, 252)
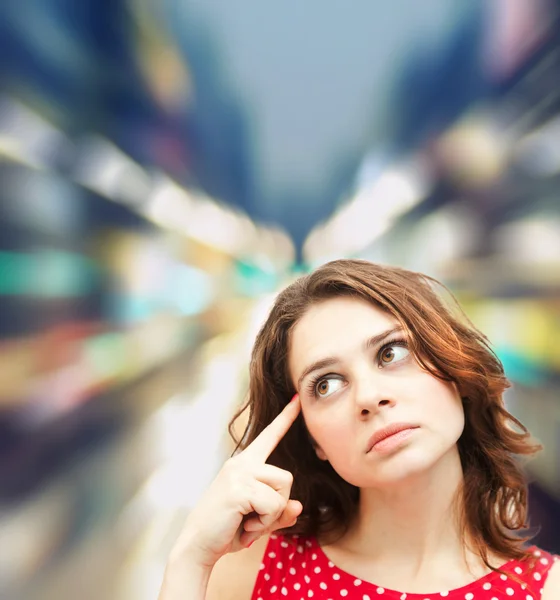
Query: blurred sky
point(310, 86)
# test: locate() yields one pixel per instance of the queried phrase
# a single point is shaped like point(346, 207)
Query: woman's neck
point(413, 522)
point(409, 536)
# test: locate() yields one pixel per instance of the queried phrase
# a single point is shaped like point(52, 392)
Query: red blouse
point(299, 569)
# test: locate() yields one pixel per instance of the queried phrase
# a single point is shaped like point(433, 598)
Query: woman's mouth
point(390, 438)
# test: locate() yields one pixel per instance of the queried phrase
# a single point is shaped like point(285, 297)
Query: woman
point(393, 473)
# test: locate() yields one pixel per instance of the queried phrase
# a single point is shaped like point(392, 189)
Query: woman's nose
point(371, 394)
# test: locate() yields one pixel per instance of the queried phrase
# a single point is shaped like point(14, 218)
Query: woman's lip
point(392, 442)
point(388, 431)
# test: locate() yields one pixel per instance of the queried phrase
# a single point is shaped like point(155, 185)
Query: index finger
point(267, 440)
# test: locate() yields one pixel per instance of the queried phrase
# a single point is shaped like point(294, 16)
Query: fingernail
point(294, 397)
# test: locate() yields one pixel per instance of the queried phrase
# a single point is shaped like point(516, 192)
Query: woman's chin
point(411, 465)
point(402, 468)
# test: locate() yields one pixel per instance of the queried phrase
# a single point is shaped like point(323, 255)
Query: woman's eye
point(392, 354)
point(327, 386)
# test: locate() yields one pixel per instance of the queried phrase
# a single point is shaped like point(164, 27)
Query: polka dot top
point(299, 569)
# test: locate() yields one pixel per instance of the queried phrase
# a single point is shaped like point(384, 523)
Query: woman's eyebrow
point(328, 361)
point(375, 340)
point(318, 364)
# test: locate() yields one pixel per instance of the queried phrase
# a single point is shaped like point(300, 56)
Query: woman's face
point(355, 376)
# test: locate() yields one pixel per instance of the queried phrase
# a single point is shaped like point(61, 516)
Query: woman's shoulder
point(286, 566)
point(285, 552)
point(536, 563)
point(264, 565)
point(233, 577)
point(535, 576)
point(539, 573)
point(551, 587)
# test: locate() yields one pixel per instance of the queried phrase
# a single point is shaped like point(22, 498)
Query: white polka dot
point(292, 571)
point(273, 589)
point(291, 556)
point(261, 567)
point(308, 544)
point(380, 590)
point(331, 564)
point(272, 554)
point(336, 576)
point(300, 549)
point(284, 544)
point(509, 592)
point(313, 556)
point(444, 594)
point(273, 536)
point(266, 576)
point(310, 593)
point(284, 591)
point(323, 585)
point(529, 597)
point(518, 570)
point(306, 577)
point(317, 569)
point(279, 565)
point(486, 586)
point(303, 565)
point(537, 576)
point(537, 552)
point(297, 586)
point(357, 582)
point(344, 592)
point(469, 596)
point(403, 597)
point(366, 597)
point(544, 561)
point(503, 577)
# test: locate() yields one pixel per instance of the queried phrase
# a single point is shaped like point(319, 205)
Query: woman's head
point(350, 362)
point(384, 348)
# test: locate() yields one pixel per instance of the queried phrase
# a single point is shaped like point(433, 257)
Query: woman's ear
point(320, 454)
point(318, 450)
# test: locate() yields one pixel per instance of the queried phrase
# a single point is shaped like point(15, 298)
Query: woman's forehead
point(334, 325)
point(340, 313)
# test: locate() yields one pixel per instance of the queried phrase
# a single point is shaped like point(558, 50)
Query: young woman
point(392, 474)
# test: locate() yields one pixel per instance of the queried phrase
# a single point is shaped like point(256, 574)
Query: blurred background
point(167, 166)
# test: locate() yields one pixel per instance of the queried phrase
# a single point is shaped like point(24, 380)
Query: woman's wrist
point(185, 578)
point(187, 553)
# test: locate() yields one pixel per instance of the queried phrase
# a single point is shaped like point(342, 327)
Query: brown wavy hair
point(492, 501)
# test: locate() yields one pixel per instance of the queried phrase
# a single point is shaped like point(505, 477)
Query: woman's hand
point(247, 499)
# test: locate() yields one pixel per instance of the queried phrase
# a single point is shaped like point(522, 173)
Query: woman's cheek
point(331, 436)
